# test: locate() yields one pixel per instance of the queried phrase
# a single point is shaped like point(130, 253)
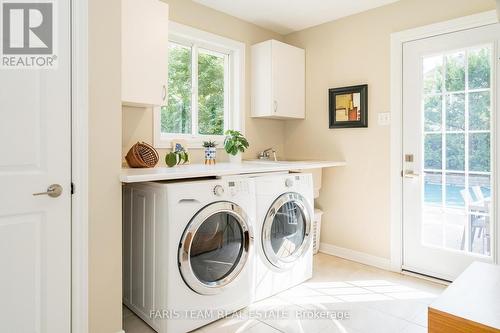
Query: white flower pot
point(235, 158)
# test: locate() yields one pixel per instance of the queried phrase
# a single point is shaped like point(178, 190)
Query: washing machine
point(283, 235)
point(188, 251)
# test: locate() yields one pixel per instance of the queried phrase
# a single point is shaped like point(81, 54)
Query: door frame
point(79, 167)
point(396, 166)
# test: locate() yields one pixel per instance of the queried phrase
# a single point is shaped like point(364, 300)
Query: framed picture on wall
point(348, 107)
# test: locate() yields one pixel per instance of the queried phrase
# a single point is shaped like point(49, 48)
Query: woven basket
point(142, 155)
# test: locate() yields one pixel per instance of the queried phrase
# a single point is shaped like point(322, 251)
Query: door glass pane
point(433, 151)
point(433, 191)
point(455, 184)
point(457, 191)
point(480, 68)
point(211, 95)
point(217, 247)
point(455, 71)
point(479, 152)
point(433, 113)
point(433, 74)
point(176, 116)
point(455, 112)
point(479, 110)
point(288, 230)
point(455, 151)
point(479, 214)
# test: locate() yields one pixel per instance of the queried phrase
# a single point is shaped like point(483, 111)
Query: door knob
point(410, 174)
point(53, 191)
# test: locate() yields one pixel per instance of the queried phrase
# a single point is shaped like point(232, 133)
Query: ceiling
point(286, 16)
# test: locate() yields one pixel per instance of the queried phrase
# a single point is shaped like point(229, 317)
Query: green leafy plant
point(235, 142)
point(176, 158)
point(209, 144)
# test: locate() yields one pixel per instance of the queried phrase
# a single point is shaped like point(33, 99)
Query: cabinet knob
point(164, 93)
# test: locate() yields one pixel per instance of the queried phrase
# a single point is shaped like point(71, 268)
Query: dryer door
point(286, 230)
point(214, 247)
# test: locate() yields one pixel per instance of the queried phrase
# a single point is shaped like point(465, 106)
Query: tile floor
point(376, 301)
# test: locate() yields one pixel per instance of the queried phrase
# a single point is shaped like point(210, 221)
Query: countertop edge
point(200, 170)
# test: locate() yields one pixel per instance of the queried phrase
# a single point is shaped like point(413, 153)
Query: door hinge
point(72, 188)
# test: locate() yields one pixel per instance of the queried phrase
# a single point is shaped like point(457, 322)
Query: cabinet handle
point(275, 106)
point(163, 93)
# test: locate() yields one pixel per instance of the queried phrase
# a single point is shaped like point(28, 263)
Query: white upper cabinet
point(144, 52)
point(278, 80)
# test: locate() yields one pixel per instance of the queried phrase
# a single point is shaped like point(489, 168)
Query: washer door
point(214, 247)
point(286, 230)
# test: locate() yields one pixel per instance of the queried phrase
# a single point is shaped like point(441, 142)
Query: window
point(205, 87)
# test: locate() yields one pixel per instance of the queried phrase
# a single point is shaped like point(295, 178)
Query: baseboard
point(361, 257)
point(122, 331)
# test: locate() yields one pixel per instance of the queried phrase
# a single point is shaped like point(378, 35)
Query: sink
point(272, 162)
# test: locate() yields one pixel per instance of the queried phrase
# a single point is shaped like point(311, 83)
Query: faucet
point(265, 155)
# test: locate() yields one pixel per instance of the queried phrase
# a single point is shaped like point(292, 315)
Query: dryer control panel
point(231, 188)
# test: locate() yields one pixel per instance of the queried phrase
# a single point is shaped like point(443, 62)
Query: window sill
point(192, 142)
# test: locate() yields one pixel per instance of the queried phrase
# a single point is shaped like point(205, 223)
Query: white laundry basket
point(316, 229)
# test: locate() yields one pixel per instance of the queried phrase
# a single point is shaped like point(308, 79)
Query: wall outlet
point(384, 119)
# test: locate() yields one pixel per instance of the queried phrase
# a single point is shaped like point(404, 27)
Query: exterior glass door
point(214, 247)
point(448, 129)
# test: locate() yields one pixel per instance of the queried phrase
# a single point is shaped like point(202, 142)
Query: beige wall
point(356, 50)
point(105, 250)
point(261, 133)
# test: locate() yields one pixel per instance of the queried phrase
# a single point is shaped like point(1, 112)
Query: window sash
point(234, 99)
point(196, 49)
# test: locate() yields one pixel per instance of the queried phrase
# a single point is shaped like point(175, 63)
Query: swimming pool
point(453, 197)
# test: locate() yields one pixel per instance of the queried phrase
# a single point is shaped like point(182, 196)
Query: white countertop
point(129, 175)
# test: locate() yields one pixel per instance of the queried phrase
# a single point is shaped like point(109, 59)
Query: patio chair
point(478, 193)
point(477, 218)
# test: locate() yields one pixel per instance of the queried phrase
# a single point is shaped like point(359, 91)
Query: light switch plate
point(384, 118)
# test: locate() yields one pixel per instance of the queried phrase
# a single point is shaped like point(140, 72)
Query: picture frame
point(348, 107)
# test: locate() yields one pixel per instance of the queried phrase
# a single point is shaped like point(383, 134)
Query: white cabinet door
point(288, 80)
point(278, 80)
point(35, 152)
point(144, 52)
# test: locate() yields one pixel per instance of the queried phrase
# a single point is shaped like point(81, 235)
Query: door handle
point(410, 174)
point(53, 191)
point(275, 106)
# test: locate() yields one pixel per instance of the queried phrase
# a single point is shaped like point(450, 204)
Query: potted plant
point(235, 144)
point(210, 151)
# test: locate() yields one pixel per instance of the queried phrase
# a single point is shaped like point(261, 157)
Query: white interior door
point(35, 152)
point(449, 130)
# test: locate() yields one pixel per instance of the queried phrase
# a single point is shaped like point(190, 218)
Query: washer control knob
point(289, 182)
point(218, 190)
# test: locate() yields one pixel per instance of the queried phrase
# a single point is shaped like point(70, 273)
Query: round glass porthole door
point(214, 247)
point(286, 230)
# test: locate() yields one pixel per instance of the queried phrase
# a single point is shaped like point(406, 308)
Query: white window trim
point(235, 84)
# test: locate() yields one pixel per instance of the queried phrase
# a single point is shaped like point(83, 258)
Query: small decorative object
point(180, 145)
point(210, 151)
point(176, 157)
point(142, 155)
point(348, 107)
point(235, 144)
